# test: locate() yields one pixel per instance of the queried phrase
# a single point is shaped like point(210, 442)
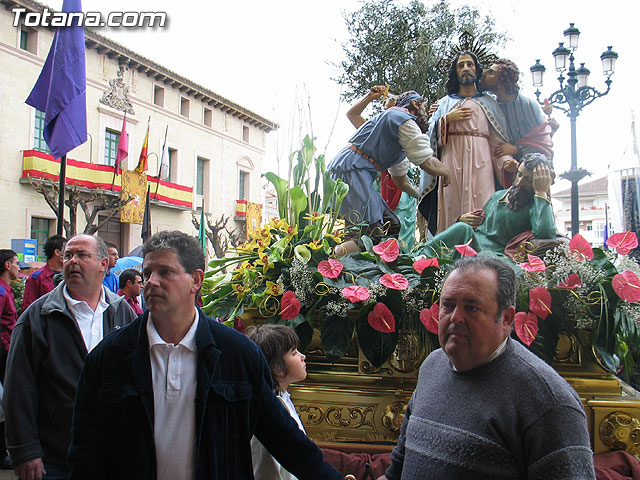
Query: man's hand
point(511, 166)
point(505, 149)
point(31, 469)
point(459, 113)
point(377, 91)
point(433, 108)
point(542, 180)
point(474, 218)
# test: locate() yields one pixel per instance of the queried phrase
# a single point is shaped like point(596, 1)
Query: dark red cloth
point(38, 283)
point(356, 463)
point(8, 314)
point(389, 191)
point(618, 465)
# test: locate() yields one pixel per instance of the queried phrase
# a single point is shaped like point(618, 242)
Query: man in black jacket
point(48, 347)
point(177, 395)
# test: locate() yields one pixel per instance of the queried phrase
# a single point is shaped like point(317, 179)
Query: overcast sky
point(275, 58)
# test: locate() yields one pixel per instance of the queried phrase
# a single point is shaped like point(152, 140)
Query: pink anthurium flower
point(429, 318)
point(580, 246)
point(420, 265)
point(388, 250)
point(355, 293)
point(396, 281)
point(381, 319)
point(572, 281)
point(540, 302)
point(465, 250)
point(330, 268)
point(535, 264)
point(526, 327)
point(623, 242)
point(627, 286)
point(289, 306)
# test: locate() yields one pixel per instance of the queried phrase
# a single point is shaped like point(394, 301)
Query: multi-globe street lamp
point(572, 96)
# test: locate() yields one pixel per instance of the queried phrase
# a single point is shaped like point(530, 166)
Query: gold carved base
point(353, 402)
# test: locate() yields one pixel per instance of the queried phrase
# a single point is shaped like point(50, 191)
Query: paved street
point(7, 475)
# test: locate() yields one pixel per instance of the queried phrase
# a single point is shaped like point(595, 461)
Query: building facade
point(216, 147)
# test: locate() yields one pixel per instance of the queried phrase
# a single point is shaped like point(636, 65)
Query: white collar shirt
point(173, 370)
point(89, 321)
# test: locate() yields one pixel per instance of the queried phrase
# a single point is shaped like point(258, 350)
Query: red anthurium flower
point(388, 250)
point(540, 302)
point(526, 326)
point(429, 318)
point(289, 306)
point(535, 264)
point(623, 242)
point(420, 265)
point(580, 246)
point(465, 250)
point(571, 282)
point(627, 286)
point(381, 319)
point(330, 268)
point(395, 281)
point(355, 293)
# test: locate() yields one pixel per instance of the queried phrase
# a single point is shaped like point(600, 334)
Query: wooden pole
point(62, 181)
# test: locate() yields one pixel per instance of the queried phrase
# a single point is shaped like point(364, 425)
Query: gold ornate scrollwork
point(393, 416)
point(621, 431)
point(409, 353)
point(568, 349)
point(356, 417)
point(368, 369)
point(310, 414)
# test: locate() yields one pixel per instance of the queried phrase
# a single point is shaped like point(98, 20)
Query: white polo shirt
point(89, 321)
point(173, 369)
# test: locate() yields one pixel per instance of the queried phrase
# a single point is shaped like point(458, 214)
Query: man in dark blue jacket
point(177, 395)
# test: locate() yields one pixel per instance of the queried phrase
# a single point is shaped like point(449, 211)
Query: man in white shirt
point(48, 347)
point(177, 395)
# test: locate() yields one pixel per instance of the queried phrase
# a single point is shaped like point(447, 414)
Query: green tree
point(407, 46)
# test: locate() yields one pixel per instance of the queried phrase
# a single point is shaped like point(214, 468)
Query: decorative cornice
point(132, 60)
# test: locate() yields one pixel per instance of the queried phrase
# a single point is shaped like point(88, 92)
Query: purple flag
point(61, 89)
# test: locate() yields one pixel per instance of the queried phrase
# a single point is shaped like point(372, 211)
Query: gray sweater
point(513, 418)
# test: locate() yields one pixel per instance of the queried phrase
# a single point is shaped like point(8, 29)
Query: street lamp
point(571, 98)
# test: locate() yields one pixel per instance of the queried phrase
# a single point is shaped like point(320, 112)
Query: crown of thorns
point(467, 42)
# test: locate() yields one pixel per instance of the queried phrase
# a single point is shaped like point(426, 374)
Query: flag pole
point(62, 181)
point(166, 132)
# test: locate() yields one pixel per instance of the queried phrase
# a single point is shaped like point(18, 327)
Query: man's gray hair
point(506, 286)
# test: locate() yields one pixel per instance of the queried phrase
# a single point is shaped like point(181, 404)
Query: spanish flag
point(142, 163)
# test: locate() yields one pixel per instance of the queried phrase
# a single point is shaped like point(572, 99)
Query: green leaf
point(281, 186)
point(376, 346)
point(337, 334)
point(298, 202)
point(305, 334)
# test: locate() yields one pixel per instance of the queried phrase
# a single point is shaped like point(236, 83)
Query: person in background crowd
point(49, 344)
point(41, 281)
point(110, 280)
point(130, 287)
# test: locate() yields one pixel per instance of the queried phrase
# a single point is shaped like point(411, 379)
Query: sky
point(278, 59)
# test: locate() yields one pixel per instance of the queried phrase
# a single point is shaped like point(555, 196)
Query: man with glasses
point(130, 288)
point(48, 347)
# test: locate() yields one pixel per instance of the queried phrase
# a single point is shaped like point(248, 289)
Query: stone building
point(216, 146)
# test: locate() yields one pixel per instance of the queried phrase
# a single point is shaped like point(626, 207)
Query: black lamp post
point(571, 98)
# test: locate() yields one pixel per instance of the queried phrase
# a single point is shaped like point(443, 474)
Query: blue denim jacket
point(113, 417)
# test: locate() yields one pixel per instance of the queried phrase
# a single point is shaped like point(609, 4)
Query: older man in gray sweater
point(485, 407)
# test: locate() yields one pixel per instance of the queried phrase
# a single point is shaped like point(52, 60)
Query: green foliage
point(401, 46)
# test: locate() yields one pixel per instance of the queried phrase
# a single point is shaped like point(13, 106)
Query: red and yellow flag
point(142, 162)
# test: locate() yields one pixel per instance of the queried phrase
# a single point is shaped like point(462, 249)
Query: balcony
point(39, 166)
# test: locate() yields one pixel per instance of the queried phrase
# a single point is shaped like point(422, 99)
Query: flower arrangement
point(287, 271)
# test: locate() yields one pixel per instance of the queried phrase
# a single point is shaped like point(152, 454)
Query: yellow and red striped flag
point(142, 162)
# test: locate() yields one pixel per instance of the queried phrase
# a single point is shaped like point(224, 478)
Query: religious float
point(367, 320)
